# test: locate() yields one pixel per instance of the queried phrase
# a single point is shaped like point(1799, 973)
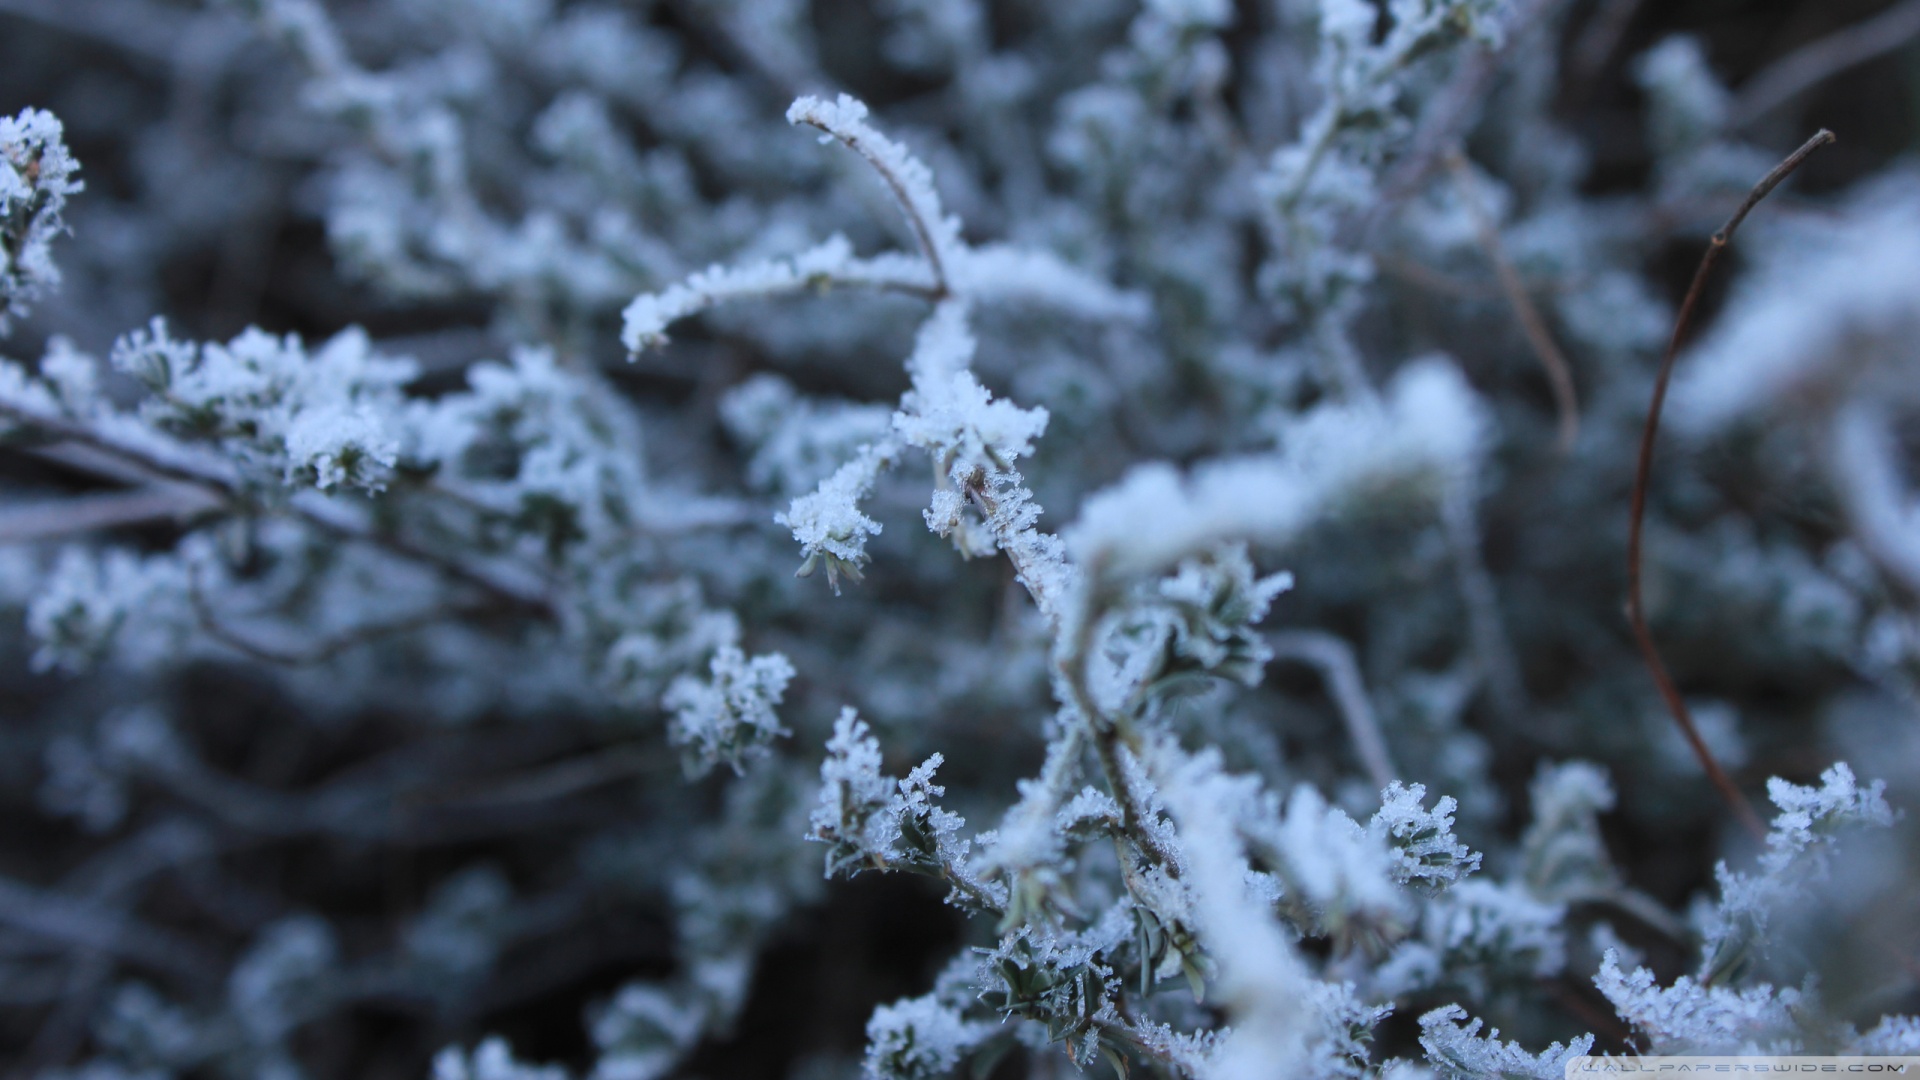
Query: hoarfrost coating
point(464, 464)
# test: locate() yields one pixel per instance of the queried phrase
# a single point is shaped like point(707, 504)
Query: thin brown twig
point(1643, 472)
point(1566, 403)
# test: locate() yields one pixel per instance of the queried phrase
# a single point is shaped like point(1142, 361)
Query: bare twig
point(155, 460)
point(1822, 59)
point(1334, 659)
point(325, 649)
point(48, 518)
point(1559, 376)
point(1643, 472)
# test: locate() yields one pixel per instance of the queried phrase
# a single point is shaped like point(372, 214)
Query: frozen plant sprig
point(728, 717)
point(1462, 1053)
point(1198, 622)
point(826, 265)
point(1564, 856)
point(871, 822)
point(36, 176)
point(1263, 982)
point(1695, 1018)
point(946, 267)
point(919, 1039)
point(1421, 841)
point(828, 522)
point(1809, 817)
point(1710, 1013)
point(972, 437)
point(948, 413)
point(329, 418)
point(910, 181)
point(1798, 851)
point(1314, 188)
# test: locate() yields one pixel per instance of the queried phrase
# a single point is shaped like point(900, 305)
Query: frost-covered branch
point(911, 182)
point(828, 265)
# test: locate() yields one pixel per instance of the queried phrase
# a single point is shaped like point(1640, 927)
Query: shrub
point(1268, 379)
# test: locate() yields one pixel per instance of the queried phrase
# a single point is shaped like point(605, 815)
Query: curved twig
point(1643, 472)
point(904, 175)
